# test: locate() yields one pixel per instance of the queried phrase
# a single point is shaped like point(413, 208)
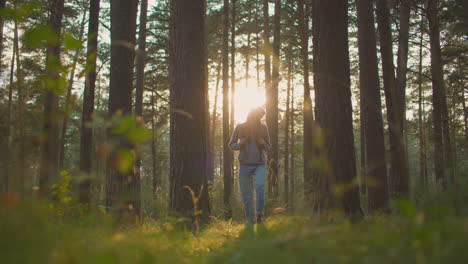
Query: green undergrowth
point(434, 234)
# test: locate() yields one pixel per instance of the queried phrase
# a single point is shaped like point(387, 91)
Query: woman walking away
point(252, 140)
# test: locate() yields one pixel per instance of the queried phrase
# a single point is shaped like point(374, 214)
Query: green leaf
point(40, 36)
point(138, 134)
point(124, 161)
point(71, 43)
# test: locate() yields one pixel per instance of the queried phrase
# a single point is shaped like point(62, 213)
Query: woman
point(252, 140)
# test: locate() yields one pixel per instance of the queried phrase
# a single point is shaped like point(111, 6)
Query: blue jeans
point(248, 174)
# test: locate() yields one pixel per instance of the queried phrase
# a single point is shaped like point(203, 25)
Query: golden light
point(246, 97)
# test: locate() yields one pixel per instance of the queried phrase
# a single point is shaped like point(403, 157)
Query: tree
point(140, 71)
point(123, 186)
point(402, 59)
point(293, 152)
point(20, 171)
point(188, 101)
point(272, 162)
point(86, 140)
point(333, 99)
point(233, 66)
point(227, 154)
point(2, 5)
point(68, 97)
point(6, 178)
point(442, 147)
point(50, 144)
point(272, 112)
point(287, 116)
point(303, 29)
point(6, 140)
point(399, 177)
point(375, 162)
point(421, 121)
point(213, 121)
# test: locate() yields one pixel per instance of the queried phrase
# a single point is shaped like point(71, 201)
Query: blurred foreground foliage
point(425, 232)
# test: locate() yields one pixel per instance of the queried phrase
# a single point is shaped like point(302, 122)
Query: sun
point(247, 96)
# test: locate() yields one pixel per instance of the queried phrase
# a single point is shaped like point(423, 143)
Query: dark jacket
point(252, 152)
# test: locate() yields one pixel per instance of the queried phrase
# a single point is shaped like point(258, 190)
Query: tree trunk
point(68, 97)
point(465, 110)
point(286, 134)
point(123, 186)
point(213, 120)
point(371, 108)
point(6, 182)
point(272, 113)
point(308, 114)
point(188, 101)
point(399, 177)
point(2, 5)
point(86, 140)
point(233, 77)
point(156, 183)
point(20, 168)
point(257, 43)
point(140, 73)
point(247, 52)
point(227, 154)
point(50, 143)
point(272, 167)
point(402, 64)
point(422, 137)
point(442, 147)
point(233, 64)
point(293, 152)
point(363, 161)
point(333, 100)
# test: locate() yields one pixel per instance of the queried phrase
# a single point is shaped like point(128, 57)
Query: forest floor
point(433, 234)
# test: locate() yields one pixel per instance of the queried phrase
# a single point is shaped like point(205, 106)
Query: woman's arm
point(234, 139)
point(265, 140)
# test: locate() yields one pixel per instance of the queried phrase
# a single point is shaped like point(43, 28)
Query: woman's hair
point(253, 125)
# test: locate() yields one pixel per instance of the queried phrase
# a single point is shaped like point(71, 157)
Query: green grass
point(437, 234)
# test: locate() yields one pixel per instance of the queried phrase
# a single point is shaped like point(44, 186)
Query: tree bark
point(227, 154)
point(423, 179)
point(86, 140)
point(272, 166)
point(233, 64)
point(402, 63)
point(257, 43)
point(188, 101)
point(213, 120)
point(399, 177)
point(140, 72)
point(287, 134)
point(442, 147)
point(293, 152)
point(465, 110)
point(50, 143)
point(309, 184)
point(123, 187)
point(333, 100)
point(20, 168)
point(2, 5)
point(247, 53)
point(6, 182)
point(4, 163)
point(233, 77)
point(272, 113)
point(371, 108)
point(156, 182)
